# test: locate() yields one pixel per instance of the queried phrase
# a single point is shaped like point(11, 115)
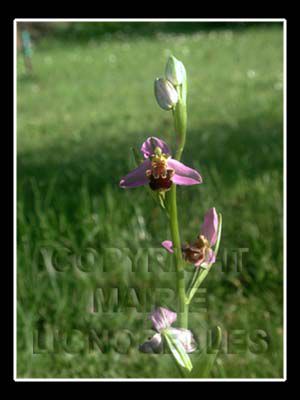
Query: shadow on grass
point(84, 31)
point(240, 155)
point(245, 151)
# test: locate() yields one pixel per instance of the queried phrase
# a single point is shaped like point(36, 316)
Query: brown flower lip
point(197, 251)
point(162, 181)
point(200, 253)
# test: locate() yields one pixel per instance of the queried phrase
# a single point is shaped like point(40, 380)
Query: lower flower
point(200, 252)
point(162, 319)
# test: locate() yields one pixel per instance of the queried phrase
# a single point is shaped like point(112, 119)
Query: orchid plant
point(161, 172)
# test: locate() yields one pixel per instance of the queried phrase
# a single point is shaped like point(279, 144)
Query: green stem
point(202, 275)
point(183, 307)
point(180, 122)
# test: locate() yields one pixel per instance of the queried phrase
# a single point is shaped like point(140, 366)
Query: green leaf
point(177, 350)
point(205, 363)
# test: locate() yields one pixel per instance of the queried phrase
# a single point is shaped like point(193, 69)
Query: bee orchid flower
point(162, 319)
point(200, 252)
point(159, 169)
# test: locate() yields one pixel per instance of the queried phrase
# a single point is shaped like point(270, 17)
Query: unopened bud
point(175, 71)
point(165, 93)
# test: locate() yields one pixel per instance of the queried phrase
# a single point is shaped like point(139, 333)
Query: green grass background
point(89, 100)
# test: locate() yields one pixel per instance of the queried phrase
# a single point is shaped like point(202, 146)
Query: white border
point(284, 196)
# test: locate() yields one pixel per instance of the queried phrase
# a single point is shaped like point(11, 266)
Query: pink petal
point(168, 245)
point(137, 177)
point(210, 259)
point(162, 318)
point(198, 263)
point(149, 145)
point(183, 174)
point(185, 337)
point(210, 226)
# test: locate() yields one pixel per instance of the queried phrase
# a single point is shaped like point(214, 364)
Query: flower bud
point(165, 93)
point(175, 71)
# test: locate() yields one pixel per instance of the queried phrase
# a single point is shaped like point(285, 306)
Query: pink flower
point(200, 252)
point(159, 169)
point(162, 319)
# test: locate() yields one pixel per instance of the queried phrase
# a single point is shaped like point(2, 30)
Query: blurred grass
point(87, 103)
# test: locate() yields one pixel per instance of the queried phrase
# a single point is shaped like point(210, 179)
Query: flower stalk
point(180, 124)
point(160, 172)
point(179, 262)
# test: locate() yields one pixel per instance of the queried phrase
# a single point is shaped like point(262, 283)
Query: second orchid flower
point(200, 252)
point(159, 169)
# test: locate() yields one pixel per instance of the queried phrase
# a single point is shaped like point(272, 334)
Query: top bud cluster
point(166, 89)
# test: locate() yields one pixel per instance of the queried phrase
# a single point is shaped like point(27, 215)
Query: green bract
point(175, 71)
point(177, 349)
